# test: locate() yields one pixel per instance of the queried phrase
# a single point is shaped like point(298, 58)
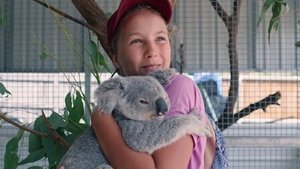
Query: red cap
point(162, 6)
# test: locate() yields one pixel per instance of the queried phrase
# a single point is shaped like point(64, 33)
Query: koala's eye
point(143, 101)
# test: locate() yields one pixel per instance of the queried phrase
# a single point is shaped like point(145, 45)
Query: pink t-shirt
point(184, 95)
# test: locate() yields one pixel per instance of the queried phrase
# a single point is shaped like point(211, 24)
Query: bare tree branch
point(95, 16)
point(96, 19)
point(231, 23)
point(236, 8)
point(230, 119)
point(66, 15)
point(220, 11)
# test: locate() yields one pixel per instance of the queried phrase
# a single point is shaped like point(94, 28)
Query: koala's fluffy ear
point(163, 76)
point(109, 92)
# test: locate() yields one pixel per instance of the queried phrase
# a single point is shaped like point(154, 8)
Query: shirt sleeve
point(184, 95)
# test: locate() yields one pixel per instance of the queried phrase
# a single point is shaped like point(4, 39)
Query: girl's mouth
point(150, 68)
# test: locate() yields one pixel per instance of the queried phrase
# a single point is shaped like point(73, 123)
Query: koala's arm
point(113, 146)
point(148, 136)
point(119, 155)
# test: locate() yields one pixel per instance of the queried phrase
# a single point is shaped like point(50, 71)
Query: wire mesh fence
point(42, 56)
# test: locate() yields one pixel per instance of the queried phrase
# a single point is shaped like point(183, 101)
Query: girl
point(139, 38)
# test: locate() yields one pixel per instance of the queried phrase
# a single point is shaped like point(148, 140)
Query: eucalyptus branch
point(53, 134)
point(8, 120)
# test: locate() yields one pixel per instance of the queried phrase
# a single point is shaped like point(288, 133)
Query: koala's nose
point(161, 106)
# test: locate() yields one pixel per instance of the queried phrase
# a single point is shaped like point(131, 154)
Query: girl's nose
point(151, 50)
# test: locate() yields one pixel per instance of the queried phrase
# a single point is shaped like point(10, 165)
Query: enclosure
point(43, 55)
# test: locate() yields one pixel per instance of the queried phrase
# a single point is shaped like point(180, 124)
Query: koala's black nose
point(161, 106)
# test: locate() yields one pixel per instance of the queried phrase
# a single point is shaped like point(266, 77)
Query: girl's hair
point(115, 38)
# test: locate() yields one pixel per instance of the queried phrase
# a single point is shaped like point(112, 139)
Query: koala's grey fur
point(137, 103)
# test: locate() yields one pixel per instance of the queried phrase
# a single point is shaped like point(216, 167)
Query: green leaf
point(48, 145)
point(74, 106)
point(35, 142)
point(68, 101)
point(266, 6)
point(11, 157)
point(274, 22)
point(96, 56)
point(276, 9)
point(102, 62)
point(75, 127)
point(54, 151)
point(297, 44)
point(44, 143)
point(93, 49)
point(3, 90)
point(43, 55)
point(38, 123)
point(57, 120)
point(34, 156)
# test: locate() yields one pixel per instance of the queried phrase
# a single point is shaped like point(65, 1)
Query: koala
point(138, 104)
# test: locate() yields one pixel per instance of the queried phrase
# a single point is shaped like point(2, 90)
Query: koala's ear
point(118, 83)
point(163, 76)
point(109, 92)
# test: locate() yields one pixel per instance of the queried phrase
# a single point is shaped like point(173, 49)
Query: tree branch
point(231, 23)
point(66, 15)
point(53, 134)
point(230, 119)
point(220, 11)
point(8, 120)
point(236, 8)
point(95, 16)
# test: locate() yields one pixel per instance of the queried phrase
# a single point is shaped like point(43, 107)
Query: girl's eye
point(160, 38)
point(135, 41)
point(143, 101)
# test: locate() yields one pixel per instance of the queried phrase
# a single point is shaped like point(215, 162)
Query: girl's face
point(143, 44)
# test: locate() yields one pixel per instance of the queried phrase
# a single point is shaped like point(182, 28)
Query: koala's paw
point(198, 125)
point(191, 123)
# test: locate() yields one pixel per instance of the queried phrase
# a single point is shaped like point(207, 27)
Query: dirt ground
point(252, 91)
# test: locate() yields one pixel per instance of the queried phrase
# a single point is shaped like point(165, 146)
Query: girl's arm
point(120, 156)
